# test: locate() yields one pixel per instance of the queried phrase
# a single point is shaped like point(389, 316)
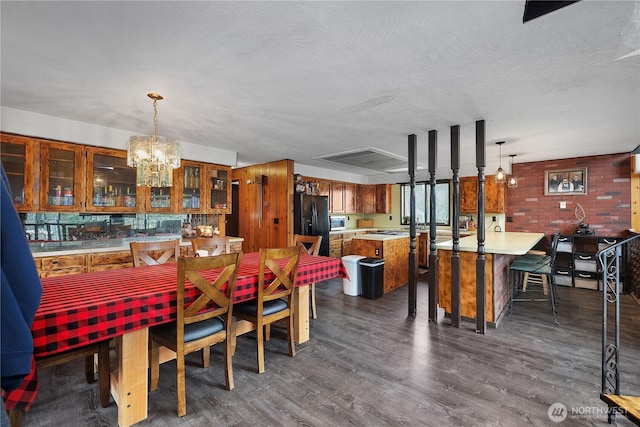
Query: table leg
point(301, 314)
point(129, 381)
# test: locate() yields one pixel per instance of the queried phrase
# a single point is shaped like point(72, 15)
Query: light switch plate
point(563, 205)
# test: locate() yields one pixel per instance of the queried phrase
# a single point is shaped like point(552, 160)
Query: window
point(422, 193)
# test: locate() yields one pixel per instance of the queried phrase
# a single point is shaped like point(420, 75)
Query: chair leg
point(290, 337)
point(267, 332)
point(15, 417)
point(260, 342)
point(227, 354)
point(89, 371)
point(553, 301)
point(206, 356)
point(312, 291)
point(180, 381)
point(154, 364)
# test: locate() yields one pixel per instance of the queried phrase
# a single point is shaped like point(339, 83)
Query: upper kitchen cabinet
point(367, 199)
point(218, 185)
point(350, 198)
point(383, 198)
point(111, 182)
point(337, 197)
point(192, 194)
point(493, 195)
point(19, 160)
point(61, 171)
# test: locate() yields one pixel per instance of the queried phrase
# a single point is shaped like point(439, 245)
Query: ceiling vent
point(371, 159)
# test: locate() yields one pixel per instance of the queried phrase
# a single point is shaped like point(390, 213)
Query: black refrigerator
point(311, 218)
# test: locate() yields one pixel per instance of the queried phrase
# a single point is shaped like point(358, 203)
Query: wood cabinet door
point(62, 168)
point(20, 161)
point(383, 198)
point(493, 195)
point(469, 194)
point(350, 198)
point(218, 188)
point(337, 197)
point(111, 183)
point(367, 199)
point(192, 198)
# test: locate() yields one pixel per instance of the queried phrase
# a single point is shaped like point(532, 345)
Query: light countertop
point(95, 246)
point(381, 237)
point(508, 243)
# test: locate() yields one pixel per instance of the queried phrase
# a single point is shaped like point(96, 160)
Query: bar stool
point(529, 267)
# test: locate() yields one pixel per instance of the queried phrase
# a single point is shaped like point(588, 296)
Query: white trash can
point(353, 285)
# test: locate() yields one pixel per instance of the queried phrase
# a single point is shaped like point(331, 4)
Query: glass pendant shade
point(155, 157)
point(500, 176)
point(512, 182)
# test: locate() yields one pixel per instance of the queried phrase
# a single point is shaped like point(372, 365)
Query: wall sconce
point(512, 182)
point(500, 177)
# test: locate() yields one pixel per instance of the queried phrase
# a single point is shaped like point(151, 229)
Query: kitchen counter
point(77, 247)
point(508, 243)
point(380, 237)
point(500, 248)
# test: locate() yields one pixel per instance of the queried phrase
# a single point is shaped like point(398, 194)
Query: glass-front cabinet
point(61, 169)
point(111, 183)
point(17, 156)
point(219, 187)
point(192, 195)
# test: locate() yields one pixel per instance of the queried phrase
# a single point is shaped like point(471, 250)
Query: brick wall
point(607, 204)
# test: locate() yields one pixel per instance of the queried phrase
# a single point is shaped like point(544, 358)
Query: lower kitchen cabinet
point(61, 265)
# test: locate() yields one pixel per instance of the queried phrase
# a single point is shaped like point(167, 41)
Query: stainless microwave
point(338, 222)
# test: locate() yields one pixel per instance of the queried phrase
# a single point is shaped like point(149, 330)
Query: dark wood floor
point(368, 364)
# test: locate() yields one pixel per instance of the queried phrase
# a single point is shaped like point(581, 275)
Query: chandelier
point(154, 156)
point(500, 177)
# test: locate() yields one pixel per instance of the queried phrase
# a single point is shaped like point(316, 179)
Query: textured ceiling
point(302, 80)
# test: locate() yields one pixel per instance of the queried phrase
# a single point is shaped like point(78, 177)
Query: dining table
point(122, 304)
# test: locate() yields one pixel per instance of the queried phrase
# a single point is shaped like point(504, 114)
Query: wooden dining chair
point(275, 297)
point(154, 253)
point(214, 245)
point(311, 246)
point(201, 322)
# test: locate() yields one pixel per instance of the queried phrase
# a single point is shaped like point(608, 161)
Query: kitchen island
point(393, 248)
point(500, 249)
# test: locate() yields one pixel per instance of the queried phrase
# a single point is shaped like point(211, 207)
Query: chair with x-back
point(311, 246)
point(154, 253)
point(202, 320)
point(276, 280)
point(213, 245)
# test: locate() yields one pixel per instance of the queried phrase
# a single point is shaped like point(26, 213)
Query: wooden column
point(433, 255)
point(456, 318)
point(413, 264)
point(481, 262)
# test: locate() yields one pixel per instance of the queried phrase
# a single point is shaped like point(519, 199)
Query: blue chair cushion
point(193, 331)
point(250, 308)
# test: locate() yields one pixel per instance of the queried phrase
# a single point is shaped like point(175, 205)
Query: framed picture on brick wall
point(565, 182)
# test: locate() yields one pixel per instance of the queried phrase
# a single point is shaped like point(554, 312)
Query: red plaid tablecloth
point(81, 309)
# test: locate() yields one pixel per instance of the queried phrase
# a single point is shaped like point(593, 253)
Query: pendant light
point(500, 176)
point(512, 182)
point(154, 156)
